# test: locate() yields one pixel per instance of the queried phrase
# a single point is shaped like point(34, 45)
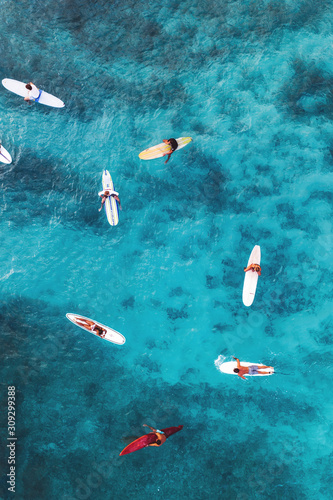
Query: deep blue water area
point(251, 82)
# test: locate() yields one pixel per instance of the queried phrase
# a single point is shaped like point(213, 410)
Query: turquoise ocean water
point(251, 82)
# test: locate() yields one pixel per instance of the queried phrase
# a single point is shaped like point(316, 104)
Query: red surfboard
point(148, 439)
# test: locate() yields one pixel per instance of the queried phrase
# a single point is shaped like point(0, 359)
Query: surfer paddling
point(154, 438)
point(33, 92)
point(105, 194)
point(160, 436)
point(254, 268)
point(249, 370)
point(174, 145)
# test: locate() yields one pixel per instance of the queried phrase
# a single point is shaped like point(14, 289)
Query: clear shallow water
point(251, 83)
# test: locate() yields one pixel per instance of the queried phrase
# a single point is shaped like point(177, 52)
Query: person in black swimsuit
point(101, 332)
point(174, 145)
point(91, 325)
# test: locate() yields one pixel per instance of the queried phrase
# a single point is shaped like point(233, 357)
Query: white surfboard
point(229, 366)
point(44, 98)
point(5, 156)
point(111, 205)
point(111, 335)
point(251, 278)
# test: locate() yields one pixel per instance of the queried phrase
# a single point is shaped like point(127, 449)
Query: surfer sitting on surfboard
point(254, 267)
point(33, 92)
point(174, 145)
point(105, 194)
point(160, 436)
point(249, 370)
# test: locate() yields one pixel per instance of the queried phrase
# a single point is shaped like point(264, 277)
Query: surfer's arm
point(169, 152)
point(102, 203)
point(241, 376)
point(238, 363)
point(169, 155)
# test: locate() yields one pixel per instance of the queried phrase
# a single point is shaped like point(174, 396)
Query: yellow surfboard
point(161, 149)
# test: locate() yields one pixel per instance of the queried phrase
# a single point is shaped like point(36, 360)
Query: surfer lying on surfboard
point(174, 145)
point(254, 267)
point(249, 370)
point(105, 194)
point(155, 438)
point(161, 437)
point(90, 325)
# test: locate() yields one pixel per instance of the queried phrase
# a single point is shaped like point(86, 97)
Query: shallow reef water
point(251, 83)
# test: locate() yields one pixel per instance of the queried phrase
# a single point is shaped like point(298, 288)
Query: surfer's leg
point(86, 323)
point(152, 428)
